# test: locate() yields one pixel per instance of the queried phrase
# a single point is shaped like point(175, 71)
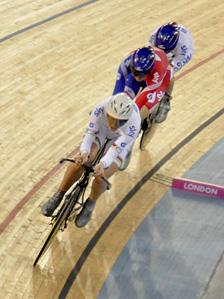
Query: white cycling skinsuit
point(183, 51)
point(122, 139)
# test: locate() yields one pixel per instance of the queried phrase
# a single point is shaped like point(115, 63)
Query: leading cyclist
point(116, 118)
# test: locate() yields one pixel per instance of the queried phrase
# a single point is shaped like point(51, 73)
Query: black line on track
point(67, 11)
point(77, 267)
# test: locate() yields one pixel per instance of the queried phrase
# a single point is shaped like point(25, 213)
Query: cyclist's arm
point(184, 51)
point(123, 77)
point(124, 142)
point(91, 130)
point(152, 37)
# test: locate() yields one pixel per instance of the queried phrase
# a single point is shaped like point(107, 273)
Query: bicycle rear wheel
point(62, 216)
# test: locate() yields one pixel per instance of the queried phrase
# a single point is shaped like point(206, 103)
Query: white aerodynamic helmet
point(120, 106)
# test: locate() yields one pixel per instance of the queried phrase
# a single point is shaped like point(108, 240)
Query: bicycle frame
point(59, 221)
point(82, 184)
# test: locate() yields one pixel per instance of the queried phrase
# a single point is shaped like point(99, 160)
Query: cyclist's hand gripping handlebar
point(90, 169)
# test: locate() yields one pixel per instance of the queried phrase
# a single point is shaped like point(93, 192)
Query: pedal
point(72, 216)
point(74, 213)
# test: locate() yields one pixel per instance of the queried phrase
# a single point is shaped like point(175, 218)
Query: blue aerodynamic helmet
point(167, 37)
point(143, 59)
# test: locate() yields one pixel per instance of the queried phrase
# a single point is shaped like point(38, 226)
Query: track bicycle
point(72, 203)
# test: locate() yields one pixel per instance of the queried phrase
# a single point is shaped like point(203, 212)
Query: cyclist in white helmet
point(116, 118)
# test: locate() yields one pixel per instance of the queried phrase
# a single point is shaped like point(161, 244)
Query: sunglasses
point(119, 122)
point(122, 122)
point(137, 73)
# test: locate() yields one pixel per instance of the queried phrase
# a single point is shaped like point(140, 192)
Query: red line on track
point(56, 168)
point(199, 64)
point(27, 197)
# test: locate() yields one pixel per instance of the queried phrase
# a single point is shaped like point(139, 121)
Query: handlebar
point(89, 169)
point(69, 160)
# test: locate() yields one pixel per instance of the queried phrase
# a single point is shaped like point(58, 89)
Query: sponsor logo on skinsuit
point(132, 131)
point(156, 77)
point(183, 50)
point(151, 97)
point(98, 111)
point(117, 148)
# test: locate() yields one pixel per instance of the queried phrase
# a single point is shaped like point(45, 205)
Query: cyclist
point(117, 118)
point(176, 41)
point(145, 76)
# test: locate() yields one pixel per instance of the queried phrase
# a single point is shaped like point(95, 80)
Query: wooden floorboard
point(51, 77)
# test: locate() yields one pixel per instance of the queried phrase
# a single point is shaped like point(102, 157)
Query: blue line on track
point(49, 19)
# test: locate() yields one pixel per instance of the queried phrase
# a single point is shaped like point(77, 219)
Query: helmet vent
point(120, 106)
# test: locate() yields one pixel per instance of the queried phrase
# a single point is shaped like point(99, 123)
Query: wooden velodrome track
point(58, 59)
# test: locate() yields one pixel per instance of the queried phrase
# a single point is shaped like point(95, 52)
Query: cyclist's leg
point(147, 102)
point(74, 171)
point(98, 187)
point(71, 175)
point(153, 102)
point(171, 85)
point(144, 112)
point(165, 106)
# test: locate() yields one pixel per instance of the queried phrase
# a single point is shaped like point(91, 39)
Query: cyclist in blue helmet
point(167, 37)
point(142, 62)
point(176, 41)
point(145, 76)
point(133, 70)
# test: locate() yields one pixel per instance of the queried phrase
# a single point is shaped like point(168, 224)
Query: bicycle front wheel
point(62, 216)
